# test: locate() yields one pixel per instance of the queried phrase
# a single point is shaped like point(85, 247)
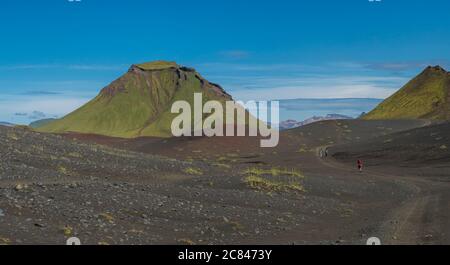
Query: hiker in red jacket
point(360, 165)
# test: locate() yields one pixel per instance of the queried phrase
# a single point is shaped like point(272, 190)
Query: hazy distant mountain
point(291, 124)
point(6, 124)
point(427, 96)
point(302, 109)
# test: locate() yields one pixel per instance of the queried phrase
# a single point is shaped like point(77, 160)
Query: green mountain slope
point(427, 96)
point(40, 123)
point(139, 102)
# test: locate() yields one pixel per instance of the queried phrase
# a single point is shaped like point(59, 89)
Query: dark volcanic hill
point(139, 102)
point(419, 147)
point(427, 96)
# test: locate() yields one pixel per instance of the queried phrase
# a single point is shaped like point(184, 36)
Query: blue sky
point(55, 55)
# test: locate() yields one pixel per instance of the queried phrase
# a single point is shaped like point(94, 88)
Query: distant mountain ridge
point(7, 124)
point(291, 124)
point(303, 108)
point(427, 96)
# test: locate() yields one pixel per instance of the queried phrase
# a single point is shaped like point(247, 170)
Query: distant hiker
point(321, 153)
point(360, 165)
point(326, 152)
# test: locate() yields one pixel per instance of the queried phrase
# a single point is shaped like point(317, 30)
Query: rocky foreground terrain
point(54, 187)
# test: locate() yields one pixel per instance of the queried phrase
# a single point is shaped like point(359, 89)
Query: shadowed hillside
point(417, 147)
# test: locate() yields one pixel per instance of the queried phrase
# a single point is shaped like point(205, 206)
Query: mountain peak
point(427, 96)
point(436, 68)
point(138, 103)
point(159, 66)
point(156, 65)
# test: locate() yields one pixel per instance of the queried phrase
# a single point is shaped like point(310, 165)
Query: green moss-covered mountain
point(139, 103)
point(427, 96)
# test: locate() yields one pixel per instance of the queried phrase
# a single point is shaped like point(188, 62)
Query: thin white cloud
point(87, 67)
point(235, 54)
point(221, 67)
point(293, 92)
point(81, 67)
point(314, 87)
point(28, 66)
point(290, 81)
point(398, 66)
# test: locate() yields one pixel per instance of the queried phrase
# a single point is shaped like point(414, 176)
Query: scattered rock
point(39, 225)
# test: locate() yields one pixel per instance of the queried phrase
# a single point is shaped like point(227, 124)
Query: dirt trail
point(421, 219)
